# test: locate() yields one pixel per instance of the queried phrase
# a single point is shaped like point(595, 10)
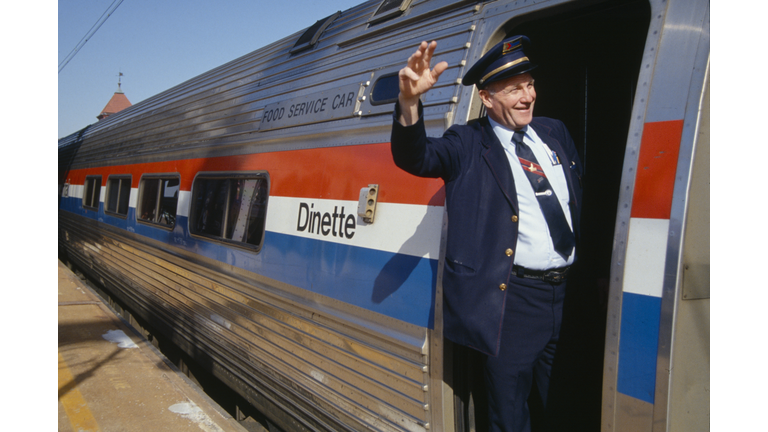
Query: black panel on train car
point(589, 64)
point(92, 192)
point(230, 208)
point(118, 195)
point(589, 59)
point(385, 89)
point(158, 200)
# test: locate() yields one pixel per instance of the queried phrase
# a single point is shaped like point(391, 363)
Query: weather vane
point(119, 81)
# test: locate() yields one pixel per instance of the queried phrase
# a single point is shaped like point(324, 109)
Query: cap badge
point(510, 46)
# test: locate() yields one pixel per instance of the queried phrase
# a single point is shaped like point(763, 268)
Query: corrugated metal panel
point(305, 353)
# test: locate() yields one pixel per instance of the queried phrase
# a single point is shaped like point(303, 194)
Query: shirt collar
point(503, 133)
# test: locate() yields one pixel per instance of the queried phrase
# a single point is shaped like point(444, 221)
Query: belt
point(551, 275)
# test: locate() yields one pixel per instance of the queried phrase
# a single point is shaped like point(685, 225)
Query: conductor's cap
point(504, 60)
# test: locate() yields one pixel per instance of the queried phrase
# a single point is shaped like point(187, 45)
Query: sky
point(157, 45)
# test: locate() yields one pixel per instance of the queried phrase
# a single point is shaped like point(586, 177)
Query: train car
point(253, 215)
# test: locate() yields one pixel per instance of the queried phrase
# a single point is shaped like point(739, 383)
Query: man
point(513, 196)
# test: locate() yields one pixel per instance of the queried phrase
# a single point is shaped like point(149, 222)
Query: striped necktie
point(562, 236)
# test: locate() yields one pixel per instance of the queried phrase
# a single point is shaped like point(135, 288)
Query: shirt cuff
point(396, 115)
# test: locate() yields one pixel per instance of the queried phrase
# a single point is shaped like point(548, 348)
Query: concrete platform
point(111, 379)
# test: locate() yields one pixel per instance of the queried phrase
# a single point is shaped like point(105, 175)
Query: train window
point(92, 192)
point(312, 34)
point(385, 89)
point(389, 9)
point(118, 194)
point(158, 199)
point(230, 207)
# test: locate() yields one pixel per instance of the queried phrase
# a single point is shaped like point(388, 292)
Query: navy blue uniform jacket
point(481, 202)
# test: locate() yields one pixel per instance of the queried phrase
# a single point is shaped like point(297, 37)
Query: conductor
point(513, 198)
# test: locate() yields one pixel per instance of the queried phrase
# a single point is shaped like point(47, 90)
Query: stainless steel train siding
point(324, 331)
point(330, 365)
point(658, 317)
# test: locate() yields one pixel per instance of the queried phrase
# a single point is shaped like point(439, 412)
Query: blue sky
point(160, 44)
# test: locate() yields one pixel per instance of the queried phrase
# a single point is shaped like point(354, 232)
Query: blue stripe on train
point(396, 285)
point(638, 349)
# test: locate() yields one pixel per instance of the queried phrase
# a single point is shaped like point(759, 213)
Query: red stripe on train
point(656, 169)
point(323, 173)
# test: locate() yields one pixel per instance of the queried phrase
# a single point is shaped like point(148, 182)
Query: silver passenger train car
point(253, 216)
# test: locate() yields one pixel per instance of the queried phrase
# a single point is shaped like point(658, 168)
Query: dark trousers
point(531, 330)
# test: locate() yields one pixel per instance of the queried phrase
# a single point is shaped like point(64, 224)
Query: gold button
point(514, 218)
point(509, 252)
point(503, 287)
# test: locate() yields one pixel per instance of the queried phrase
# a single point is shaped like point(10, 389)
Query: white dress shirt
point(535, 249)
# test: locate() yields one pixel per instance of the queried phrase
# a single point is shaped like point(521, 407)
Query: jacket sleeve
point(423, 156)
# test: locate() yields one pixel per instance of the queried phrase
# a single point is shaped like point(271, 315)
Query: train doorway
point(589, 60)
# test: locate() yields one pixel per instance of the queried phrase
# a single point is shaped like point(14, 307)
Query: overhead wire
point(102, 19)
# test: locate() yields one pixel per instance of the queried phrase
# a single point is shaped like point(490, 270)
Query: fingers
point(417, 60)
point(428, 50)
point(409, 73)
point(439, 69)
point(417, 77)
point(420, 60)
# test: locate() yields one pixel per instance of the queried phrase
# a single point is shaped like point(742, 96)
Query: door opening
point(589, 60)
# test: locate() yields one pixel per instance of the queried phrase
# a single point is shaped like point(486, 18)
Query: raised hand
point(415, 79)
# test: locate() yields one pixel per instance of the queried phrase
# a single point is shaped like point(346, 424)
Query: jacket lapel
point(545, 134)
point(554, 144)
point(497, 161)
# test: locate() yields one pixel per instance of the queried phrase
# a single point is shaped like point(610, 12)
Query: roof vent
point(312, 34)
point(389, 9)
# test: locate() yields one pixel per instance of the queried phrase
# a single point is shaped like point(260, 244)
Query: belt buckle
point(555, 275)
